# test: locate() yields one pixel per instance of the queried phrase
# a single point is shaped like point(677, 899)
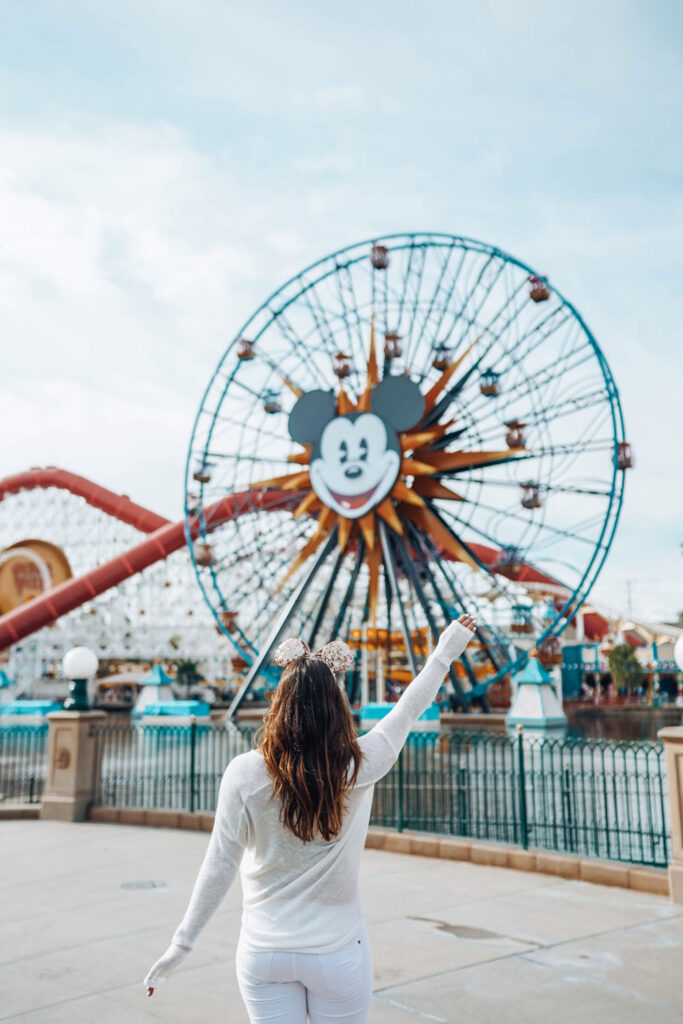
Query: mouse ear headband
point(337, 655)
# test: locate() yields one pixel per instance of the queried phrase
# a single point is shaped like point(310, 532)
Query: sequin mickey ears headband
point(337, 655)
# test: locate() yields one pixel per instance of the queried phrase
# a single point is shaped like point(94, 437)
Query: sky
point(165, 166)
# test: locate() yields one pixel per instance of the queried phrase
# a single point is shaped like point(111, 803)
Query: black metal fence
point(23, 751)
point(594, 798)
point(590, 797)
point(178, 767)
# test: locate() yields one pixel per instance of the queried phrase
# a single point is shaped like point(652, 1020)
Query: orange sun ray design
point(464, 460)
point(311, 545)
point(344, 403)
point(374, 560)
point(430, 488)
point(423, 438)
point(289, 482)
point(437, 388)
point(367, 526)
point(433, 526)
point(420, 462)
point(310, 503)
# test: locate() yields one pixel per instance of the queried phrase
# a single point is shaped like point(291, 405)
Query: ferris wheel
point(411, 427)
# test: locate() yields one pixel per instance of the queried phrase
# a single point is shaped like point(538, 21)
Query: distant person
point(441, 699)
point(293, 816)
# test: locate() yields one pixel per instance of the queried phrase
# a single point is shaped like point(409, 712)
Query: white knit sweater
point(299, 896)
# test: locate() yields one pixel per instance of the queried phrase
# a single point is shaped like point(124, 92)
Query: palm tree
point(624, 667)
point(187, 674)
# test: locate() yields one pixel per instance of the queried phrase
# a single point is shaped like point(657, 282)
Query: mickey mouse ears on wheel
point(337, 655)
point(397, 400)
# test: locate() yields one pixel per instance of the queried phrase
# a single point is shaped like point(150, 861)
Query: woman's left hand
point(173, 956)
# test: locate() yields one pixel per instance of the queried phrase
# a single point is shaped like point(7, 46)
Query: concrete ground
point(452, 941)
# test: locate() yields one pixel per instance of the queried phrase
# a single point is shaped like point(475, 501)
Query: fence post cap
point(672, 733)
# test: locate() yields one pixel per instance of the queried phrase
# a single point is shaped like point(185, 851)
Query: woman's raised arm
point(382, 745)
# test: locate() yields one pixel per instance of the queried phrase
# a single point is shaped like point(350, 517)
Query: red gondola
point(531, 497)
point(488, 384)
point(203, 554)
point(379, 257)
point(515, 434)
point(538, 289)
point(341, 365)
point(245, 349)
point(624, 455)
point(392, 349)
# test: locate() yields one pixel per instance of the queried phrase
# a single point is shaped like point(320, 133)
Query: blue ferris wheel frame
point(194, 520)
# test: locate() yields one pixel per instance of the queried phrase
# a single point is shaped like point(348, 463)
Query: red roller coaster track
point(117, 505)
point(163, 539)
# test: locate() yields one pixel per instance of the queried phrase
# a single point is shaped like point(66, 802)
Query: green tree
point(187, 674)
point(624, 666)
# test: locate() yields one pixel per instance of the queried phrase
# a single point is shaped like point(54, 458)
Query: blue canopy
point(181, 708)
point(379, 710)
point(533, 672)
point(29, 707)
point(157, 677)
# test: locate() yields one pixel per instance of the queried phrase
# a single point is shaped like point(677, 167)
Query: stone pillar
point(364, 668)
point(672, 738)
point(379, 675)
point(70, 751)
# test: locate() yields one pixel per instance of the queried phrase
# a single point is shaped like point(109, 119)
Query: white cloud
point(334, 163)
point(132, 249)
point(342, 97)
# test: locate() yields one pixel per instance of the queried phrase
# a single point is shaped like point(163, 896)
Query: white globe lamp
point(678, 652)
point(79, 665)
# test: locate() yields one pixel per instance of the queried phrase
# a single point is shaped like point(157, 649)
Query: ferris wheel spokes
point(462, 606)
point(415, 339)
point(280, 623)
point(425, 302)
point(409, 570)
point(327, 594)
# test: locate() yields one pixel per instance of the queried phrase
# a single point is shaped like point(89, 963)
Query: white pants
point(331, 988)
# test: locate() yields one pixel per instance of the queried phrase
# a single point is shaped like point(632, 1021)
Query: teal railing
point(591, 797)
point(23, 751)
point(596, 798)
point(177, 767)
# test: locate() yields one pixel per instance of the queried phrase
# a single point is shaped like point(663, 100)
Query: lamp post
point(678, 658)
point(79, 665)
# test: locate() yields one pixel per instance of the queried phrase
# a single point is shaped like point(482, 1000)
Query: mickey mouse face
point(356, 457)
point(357, 465)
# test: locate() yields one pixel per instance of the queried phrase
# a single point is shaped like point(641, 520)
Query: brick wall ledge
point(564, 865)
point(12, 811)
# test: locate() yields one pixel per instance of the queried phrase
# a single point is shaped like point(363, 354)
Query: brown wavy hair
point(309, 744)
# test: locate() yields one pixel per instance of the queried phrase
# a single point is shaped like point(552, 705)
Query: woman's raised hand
point(455, 638)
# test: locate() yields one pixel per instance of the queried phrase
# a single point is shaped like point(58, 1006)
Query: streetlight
point(678, 658)
point(79, 665)
point(678, 652)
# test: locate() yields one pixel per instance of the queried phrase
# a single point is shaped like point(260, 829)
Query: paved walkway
point(452, 941)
